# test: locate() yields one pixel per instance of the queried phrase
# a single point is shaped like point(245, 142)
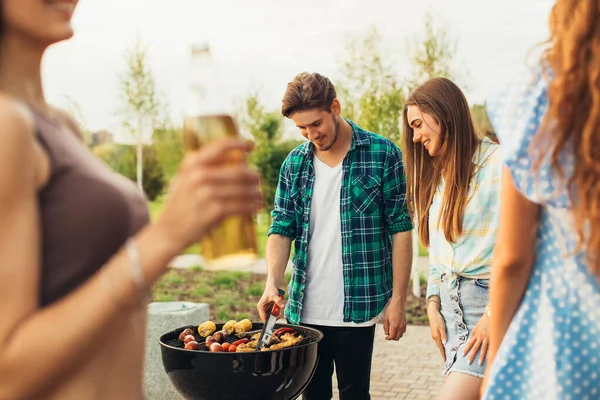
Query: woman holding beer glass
point(77, 255)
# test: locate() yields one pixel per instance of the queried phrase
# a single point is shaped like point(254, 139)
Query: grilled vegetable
point(219, 341)
point(287, 343)
point(244, 325)
point(229, 326)
point(244, 348)
point(207, 328)
point(248, 334)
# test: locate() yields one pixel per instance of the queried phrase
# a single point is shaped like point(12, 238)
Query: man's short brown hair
point(306, 92)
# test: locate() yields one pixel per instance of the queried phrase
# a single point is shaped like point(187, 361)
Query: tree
point(266, 127)
point(122, 159)
point(432, 54)
point(482, 122)
point(140, 101)
point(169, 146)
point(371, 93)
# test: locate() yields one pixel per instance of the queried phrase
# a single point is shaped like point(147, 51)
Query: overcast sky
point(262, 44)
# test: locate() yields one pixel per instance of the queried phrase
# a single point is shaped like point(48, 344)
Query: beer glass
point(233, 243)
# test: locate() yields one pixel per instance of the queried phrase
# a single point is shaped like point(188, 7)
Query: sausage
point(216, 347)
point(221, 336)
point(186, 332)
point(189, 338)
point(241, 341)
point(193, 345)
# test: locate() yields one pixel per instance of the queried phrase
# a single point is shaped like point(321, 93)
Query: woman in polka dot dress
point(545, 295)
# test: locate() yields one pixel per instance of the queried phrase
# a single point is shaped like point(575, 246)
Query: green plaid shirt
point(373, 208)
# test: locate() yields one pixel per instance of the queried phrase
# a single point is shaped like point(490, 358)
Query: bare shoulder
point(69, 121)
point(16, 129)
point(19, 154)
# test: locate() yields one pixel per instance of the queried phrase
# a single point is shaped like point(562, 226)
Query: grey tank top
point(87, 212)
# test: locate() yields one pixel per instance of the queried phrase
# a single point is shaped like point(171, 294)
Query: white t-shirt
point(324, 292)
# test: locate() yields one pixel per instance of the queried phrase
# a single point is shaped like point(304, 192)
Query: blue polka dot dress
point(552, 348)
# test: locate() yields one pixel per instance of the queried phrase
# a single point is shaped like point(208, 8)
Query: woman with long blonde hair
point(453, 178)
point(545, 328)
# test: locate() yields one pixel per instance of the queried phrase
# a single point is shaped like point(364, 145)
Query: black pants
point(352, 351)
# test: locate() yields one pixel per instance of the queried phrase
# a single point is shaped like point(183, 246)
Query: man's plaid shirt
point(373, 207)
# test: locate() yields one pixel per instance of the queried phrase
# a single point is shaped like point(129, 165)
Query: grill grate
point(308, 338)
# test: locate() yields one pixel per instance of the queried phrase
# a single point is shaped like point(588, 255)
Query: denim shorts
point(463, 305)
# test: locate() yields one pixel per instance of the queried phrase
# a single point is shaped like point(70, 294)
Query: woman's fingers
point(474, 350)
point(443, 331)
point(470, 344)
point(441, 347)
point(217, 152)
point(483, 353)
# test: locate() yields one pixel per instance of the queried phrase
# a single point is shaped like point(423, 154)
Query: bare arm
point(70, 326)
point(398, 223)
point(281, 233)
point(79, 316)
point(394, 323)
point(514, 256)
point(402, 257)
point(278, 254)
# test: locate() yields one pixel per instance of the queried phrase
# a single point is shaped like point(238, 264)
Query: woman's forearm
point(34, 356)
point(507, 286)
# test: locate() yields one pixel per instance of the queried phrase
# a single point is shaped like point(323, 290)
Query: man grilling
point(341, 199)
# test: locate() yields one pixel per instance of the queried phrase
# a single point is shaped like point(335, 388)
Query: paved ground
point(407, 369)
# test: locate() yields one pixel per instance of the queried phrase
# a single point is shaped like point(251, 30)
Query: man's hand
point(394, 323)
point(270, 295)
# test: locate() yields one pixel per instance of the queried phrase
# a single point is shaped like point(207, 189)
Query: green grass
point(238, 293)
point(201, 290)
point(255, 290)
point(225, 279)
point(164, 297)
point(174, 279)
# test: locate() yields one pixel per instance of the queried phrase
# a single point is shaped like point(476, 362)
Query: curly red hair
point(574, 112)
